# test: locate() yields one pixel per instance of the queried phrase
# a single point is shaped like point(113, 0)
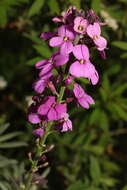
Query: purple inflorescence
point(76, 35)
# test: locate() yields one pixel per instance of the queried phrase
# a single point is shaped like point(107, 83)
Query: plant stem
point(40, 146)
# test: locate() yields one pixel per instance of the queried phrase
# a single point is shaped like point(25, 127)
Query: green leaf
point(13, 144)
point(118, 91)
point(120, 44)
point(118, 109)
point(3, 16)
point(33, 61)
point(124, 55)
point(3, 128)
point(125, 188)
point(109, 181)
point(95, 171)
point(9, 136)
point(54, 6)
point(104, 122)
point(94, 116)
point(36, 7)
point(43, 50)
point(77, 185)
point(96, 5)
point(76, 3)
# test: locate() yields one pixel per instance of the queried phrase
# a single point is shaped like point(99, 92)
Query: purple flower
point(42, 82)
point(64, 40)
point(83, 67)
point(82, 98)
point(80, 25)
point(33, 116)
point(47, 35)
point(38, 132)
point(51, 109)
point(46, 66)
point(94, 32)
point(65, 123)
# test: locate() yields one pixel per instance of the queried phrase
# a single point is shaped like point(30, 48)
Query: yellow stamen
point(81, 28)
point(95, 37)
point(66, 38)
point(82, 61)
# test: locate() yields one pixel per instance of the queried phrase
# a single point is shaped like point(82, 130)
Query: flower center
point(81, 28)
point(65, 38)
point(53, 105)
point(95, 37)
point(82, 61)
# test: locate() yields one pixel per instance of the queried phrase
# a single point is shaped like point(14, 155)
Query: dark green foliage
point(94, 155)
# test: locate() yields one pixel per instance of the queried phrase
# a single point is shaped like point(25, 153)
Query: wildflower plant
point(56, 86)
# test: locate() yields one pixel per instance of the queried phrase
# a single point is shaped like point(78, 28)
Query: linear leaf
point(36, 7)
point(120, 44)
point(12, 144)
point(9, 136)
point(3, 127)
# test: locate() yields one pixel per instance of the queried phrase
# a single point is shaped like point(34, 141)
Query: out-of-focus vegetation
point(94, 155)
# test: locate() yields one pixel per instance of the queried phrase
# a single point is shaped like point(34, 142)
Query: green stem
point(61, 94)
point(40, 146)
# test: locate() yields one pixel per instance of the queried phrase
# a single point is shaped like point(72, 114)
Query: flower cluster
point(77, 33)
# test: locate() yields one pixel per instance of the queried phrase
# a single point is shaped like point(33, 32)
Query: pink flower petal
point(61, 60)
point(39, 132)
point(67, 126)
point(101, 43)
point(33, 118)
point(82, 101)
point(39, 85)
point(46, 69)
point(44, 108)
point(81, 52)
point(77, 69)
point(40, 64)
point(55, 41)
point(62, 31)
point(94, 30)
point(66, 48)
point(60, 109)
point(78, 91)
point(52, 114)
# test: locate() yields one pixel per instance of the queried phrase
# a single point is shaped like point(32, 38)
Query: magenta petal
point(70, 34)
point(78, 91)
point(94, 78)
point(47, 35)
point(82, 101)
point(46, 69)
point(43, 109)
point(39, 85)
point(93, 30)
point(77, 69)
point(40, 64)
point(33, 118)
point(55, 41)
point(62, 31)
point(89, 99)
point(46, 76)
point(52, 114)
point(67, 126)
point(81, 52)
point(77, 20)
point(66, 48)
point(39, 132)
point(61, 60)
point(101, 43)
point(60, 109)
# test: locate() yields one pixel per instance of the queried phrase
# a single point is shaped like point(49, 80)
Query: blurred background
point(94, 155)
